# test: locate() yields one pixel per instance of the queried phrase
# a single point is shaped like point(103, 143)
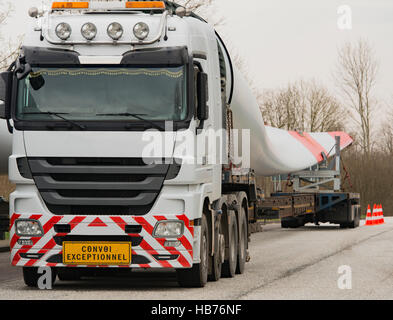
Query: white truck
point(94, 88)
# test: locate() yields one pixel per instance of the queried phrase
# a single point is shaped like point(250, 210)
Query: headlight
point(89, 31)
point(63, 31)
point(28, 228)
point(115, 30)
point(168, 229)
point(141, 30)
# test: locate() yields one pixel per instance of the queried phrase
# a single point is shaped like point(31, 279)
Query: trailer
point(297, 209)
point(312, 201)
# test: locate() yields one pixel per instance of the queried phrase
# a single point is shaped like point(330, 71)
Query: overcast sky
point(286, 40)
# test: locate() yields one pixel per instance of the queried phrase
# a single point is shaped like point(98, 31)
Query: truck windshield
point(108, 93)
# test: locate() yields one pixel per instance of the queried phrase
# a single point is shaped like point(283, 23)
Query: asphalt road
point(285, 264)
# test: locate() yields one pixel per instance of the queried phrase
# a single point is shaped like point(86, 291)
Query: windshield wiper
point(134, 115)
point(59, 115)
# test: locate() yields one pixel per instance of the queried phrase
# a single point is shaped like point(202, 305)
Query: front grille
point(99, 186)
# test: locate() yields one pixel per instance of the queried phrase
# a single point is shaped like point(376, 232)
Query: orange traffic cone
point(369, 218)
point(374, 215)
point(378, 215)
point(381, 213)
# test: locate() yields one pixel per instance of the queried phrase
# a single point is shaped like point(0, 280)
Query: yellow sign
point(96, 253)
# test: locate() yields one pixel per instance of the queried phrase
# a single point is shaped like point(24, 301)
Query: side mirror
point(37, 81)
point(5, 94)
point(202, 95)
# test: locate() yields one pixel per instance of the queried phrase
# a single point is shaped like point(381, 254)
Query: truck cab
point(105, 104)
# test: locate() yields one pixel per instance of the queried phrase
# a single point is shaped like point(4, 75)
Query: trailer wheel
point(31, 276)
point(229, 265)
point(243, 241)
point(197, 275)
point(291, 222)
point(356, 222)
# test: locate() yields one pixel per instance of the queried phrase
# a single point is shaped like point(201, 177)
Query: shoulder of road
point(4, 245)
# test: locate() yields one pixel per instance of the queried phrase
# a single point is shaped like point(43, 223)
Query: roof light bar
point(145, 5)
point(70, 5)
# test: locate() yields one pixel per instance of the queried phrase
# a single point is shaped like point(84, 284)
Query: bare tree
point(356, 75)
point(386, 133)
point(302, 106)
point(9, 50)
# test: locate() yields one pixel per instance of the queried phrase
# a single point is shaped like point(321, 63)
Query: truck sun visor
point(48, 56)
point(170, 56)
point(173, 56)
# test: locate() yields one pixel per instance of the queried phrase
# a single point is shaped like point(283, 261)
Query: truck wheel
point(197, 275)
point(356, 222)
point(68, 275)
point(229, 266)
point(31, 276)
point(243, 241)
point(290, 223)
point(219, 253)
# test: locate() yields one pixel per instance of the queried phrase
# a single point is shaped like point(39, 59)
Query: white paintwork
point(100, 59)
point(91, 144)
point(5, 146)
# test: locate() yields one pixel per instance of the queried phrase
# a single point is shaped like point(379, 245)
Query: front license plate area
point(96, 253)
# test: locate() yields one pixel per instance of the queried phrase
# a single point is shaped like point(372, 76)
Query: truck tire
point(354, 224)
point(68, 275)
point(243, 242)
point(219, 250)
point(229, 265)
point(197, 276)
point(291, 222)
point(31, 276)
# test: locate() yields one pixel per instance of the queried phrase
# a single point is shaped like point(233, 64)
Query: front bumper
point(147, 251)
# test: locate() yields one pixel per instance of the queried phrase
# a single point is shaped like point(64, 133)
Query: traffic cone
point(378, 214)
point(369, 219)
point(374, 215)
point(381, 213)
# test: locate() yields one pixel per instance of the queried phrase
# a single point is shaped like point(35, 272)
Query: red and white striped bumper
point(143, 254)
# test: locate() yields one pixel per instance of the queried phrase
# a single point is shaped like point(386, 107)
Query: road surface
point(285, 264)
